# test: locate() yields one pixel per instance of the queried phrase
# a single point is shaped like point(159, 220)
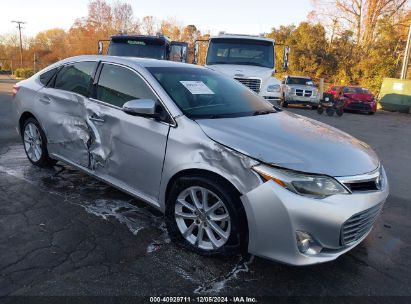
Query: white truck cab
point(248, 59)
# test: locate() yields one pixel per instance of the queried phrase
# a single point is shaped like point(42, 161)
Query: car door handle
point(45, 99)
point(97, 119)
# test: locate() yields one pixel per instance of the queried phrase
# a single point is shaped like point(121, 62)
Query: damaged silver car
point(229, 171)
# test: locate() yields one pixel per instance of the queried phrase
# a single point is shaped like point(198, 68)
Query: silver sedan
point(230, 172)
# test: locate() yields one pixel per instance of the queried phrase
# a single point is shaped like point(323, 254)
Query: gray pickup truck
point(299, 90)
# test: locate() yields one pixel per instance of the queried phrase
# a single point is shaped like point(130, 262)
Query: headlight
point(273, 88)
point(290, 90)
point(316, 186)
point(315, 92)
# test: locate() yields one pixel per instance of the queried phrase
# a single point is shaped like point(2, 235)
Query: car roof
point(139, 37)
point(305, 77)
point(242, 36)
point(130, 61)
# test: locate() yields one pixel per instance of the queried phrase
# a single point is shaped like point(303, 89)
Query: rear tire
point(205, 215)
point(35, 144)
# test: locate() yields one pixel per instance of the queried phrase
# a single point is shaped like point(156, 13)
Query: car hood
point(242, 71)
point(360, 96)
point(294, 142)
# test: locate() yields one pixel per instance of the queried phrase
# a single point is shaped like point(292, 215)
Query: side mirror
point(285, 57)
point(195, 59)
point(100, 47)
point(178, 51)
point(140, 107)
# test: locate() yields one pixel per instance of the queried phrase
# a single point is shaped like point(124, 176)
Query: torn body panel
point(189, 148)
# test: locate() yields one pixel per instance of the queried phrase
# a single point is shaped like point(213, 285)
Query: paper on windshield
point(197, 87)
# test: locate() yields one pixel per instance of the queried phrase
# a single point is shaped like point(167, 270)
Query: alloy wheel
point(32, 142)
point(202, 218)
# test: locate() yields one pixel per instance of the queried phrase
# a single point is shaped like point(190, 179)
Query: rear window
point(46, 76)
point(76, 78)
point(133, 47)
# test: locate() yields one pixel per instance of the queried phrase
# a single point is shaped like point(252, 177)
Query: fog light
point(306, 243)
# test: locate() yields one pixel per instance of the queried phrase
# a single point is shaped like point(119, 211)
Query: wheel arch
point(197, 172)
point(23, 117)
point(186, 173)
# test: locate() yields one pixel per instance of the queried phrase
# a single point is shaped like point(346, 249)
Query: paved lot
point(64, 233)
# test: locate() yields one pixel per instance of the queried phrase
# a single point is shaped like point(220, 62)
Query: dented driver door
point(126, 150)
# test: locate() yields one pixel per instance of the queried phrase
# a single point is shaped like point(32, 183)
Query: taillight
point(15, 89)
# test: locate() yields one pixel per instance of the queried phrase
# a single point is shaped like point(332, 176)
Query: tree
point(123, 18)
point(149, 25)
point(308, 44)
point(359, 16)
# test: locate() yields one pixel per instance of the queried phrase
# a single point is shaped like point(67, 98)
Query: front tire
point(205, 215)
point(329, 111)
point(35, 144)
point(284, 103)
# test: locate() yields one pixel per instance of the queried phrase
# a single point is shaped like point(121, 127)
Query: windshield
point(201, 93)
point(134, 48)
point(300, 81)
point(241, 51)
point(355, 90)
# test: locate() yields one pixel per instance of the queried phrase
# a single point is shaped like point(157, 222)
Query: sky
point(243, 17)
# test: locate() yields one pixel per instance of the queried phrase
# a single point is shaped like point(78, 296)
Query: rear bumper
point(274, 215)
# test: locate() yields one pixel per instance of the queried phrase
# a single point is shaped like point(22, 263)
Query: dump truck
point(156, 47)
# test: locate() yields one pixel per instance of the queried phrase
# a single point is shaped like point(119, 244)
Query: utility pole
point(34, 62)
point(19, 23)
point(406, 57)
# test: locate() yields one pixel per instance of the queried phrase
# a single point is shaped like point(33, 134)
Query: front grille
point(358, 106)
point(362, 186)
point(303, 93)
point(253, 83)
point(367, 185)
point(358, 225)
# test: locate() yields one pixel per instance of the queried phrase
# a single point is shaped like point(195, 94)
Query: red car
point(355, 98)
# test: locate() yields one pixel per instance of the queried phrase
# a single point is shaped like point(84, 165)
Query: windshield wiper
point(218, 62)
point(211, 116)
point(249, 63)
point(264, 112)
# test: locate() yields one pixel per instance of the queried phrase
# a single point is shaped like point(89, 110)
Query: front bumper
point(295, 99)
point(274, 100)
point(274, 215)
point(360, 106)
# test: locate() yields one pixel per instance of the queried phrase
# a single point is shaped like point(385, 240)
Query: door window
point(76, 78)
point(117, 85)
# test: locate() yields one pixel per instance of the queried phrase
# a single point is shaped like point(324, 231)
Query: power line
point(19, 23)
